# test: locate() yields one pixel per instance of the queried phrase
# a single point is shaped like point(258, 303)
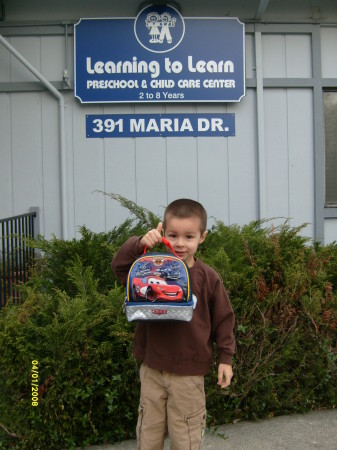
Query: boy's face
point(184, 235)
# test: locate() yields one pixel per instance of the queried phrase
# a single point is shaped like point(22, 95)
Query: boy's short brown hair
point(185, 207)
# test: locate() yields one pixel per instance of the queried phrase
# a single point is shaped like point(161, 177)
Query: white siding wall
point(329, 54)
point(289, 155)
point(287, 56)
point(222, 173)
point(330, 231)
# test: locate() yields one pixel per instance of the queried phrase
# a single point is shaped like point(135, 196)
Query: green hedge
point(282, 288)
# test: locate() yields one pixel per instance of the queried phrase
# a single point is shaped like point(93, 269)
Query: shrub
point(95, 250)
point(87, 376)
point(286, 319)
point(283, 291)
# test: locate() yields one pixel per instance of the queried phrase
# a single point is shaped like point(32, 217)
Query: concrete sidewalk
point(315, 430)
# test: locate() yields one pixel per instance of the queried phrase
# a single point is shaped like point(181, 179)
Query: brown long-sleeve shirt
point(184, 348)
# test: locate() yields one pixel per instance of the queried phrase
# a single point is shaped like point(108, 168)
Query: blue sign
point(159, 56)
point(152, 125)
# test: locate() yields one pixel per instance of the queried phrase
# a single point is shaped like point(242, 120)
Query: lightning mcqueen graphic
point(155, 288)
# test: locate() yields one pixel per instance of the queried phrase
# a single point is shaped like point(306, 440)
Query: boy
point(176, 355)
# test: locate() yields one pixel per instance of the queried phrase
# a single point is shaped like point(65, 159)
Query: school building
point(139, 99)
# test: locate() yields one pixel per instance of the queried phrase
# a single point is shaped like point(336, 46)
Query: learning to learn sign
point(159, 56)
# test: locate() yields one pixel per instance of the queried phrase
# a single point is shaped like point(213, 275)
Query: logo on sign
point(159, 312)
point(159, 29)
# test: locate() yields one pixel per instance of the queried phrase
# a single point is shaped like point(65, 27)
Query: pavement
point(314, 430)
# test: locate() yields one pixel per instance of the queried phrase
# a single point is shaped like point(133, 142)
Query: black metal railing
point(16, 255)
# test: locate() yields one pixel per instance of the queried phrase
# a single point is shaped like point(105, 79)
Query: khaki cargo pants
point(170, 404)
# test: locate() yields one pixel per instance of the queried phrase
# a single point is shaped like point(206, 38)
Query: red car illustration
point(154, 288)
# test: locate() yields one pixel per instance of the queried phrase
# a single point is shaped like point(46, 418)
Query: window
point(330, 129)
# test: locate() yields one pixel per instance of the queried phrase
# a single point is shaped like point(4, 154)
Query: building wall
point(267, 170)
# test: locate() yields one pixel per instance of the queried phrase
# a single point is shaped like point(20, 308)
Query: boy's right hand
point(152, 237)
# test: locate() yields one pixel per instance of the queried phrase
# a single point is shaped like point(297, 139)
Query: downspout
point(261, 9)
point(59, 96)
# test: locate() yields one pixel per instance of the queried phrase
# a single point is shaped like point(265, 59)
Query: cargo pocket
point(141, 413)
point(196, 424)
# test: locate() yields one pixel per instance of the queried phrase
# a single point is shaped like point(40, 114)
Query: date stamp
point(35, 382)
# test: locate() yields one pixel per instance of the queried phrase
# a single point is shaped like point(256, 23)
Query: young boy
point(176, 355)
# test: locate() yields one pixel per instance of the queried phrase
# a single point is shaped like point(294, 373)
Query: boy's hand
point(152, 237)
point(225, 374)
